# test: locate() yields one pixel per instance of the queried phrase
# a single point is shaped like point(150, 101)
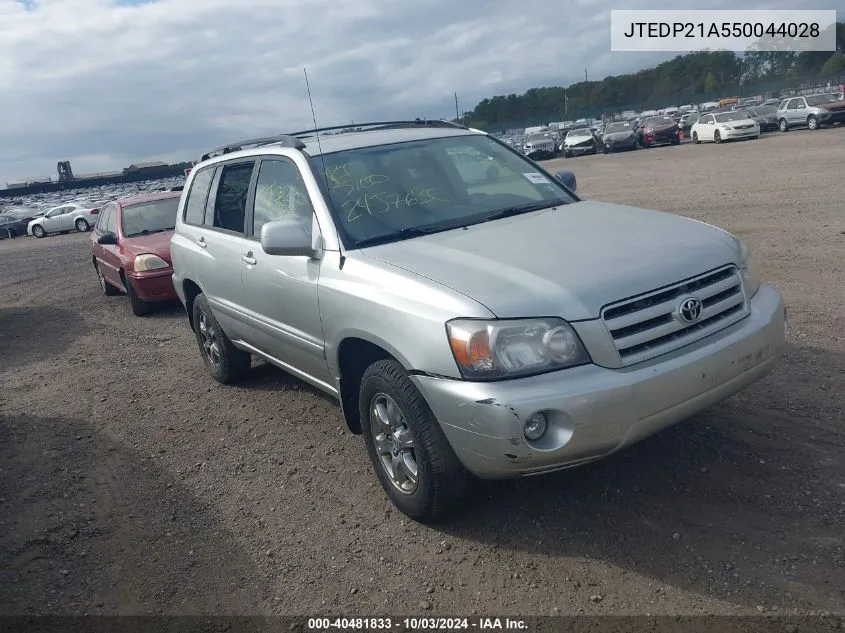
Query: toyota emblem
point(689, 310)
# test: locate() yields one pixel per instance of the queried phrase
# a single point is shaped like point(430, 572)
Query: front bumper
point(593, 411)
point(154, 285)
point(629, 143)
point(579, 149)
point(730, 135)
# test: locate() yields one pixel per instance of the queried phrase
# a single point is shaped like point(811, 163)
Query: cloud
point(104, 83)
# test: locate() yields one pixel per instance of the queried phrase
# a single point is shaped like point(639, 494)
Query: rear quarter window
point(197, 196)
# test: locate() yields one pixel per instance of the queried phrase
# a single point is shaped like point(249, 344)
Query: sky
point(107, 83)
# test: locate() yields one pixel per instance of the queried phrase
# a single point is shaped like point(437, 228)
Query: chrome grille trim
point(645, 326)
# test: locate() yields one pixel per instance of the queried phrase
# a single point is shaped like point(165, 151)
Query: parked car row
point(470, 313)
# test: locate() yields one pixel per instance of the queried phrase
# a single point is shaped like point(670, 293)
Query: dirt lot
point(131, 483)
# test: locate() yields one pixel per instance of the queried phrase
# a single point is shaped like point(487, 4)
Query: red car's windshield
point(150, 217)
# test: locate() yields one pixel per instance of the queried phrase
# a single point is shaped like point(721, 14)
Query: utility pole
point(565, 103)
point(457, 113)
point(585, 76)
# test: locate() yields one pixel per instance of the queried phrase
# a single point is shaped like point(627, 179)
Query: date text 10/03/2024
point(360, 195)
point(416, 624)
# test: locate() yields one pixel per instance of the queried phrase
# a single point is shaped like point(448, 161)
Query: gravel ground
point(131, 483)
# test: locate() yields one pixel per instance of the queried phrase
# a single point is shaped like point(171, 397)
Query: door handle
point(201, 241)
point(249, 258)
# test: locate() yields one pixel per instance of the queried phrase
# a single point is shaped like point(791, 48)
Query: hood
point(615, 136)
point(565, 261)
point(157, 244)
point(834, 107)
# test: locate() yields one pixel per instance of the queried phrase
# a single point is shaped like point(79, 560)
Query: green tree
point(711, 84)
point(835, 65)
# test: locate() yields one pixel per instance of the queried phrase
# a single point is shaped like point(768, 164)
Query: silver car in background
point(65, 217)
point(496, 327)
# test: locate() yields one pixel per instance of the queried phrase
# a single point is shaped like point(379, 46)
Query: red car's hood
point(156, 243)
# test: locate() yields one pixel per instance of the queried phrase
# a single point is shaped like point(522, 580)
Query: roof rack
point(294, 139)
point(285, 140)
point(380, 125)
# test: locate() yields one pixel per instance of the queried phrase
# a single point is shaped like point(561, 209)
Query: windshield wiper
point(520, 209)
point(149, 232)
point(411, 231)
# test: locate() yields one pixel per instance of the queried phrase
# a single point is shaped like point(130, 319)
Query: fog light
point(535, 426)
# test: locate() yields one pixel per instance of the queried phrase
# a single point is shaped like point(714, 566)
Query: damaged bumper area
point(592, 411)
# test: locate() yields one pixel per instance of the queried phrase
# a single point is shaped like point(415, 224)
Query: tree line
point(690, 78)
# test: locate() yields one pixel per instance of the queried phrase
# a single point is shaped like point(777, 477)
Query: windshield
point(149, 217)
point(391, 192)
point(730, 116)
point(615, 128)
point(817, 100)
point(659, 120)
point(579, 134)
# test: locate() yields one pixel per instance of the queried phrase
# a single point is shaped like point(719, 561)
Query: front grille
point(646, 326)
point(744, 127)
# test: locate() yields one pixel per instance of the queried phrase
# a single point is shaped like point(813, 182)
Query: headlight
point(149, 261)
point(725, 127)
point(750, 274)
point(486, 350)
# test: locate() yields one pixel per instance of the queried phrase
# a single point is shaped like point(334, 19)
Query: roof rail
point(285, 140)
point(360, 127)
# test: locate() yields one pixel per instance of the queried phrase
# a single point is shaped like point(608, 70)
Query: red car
point(130, 249)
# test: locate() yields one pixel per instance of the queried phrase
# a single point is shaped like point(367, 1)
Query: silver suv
point(812, 111)
point(486, 323)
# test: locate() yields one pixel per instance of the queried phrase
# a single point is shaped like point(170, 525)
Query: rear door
point(221, 238)
point(281, 291)
point(795, 111)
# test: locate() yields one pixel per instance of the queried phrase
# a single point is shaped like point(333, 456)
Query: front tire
point(105, 286)
point(812, 122)
point(413, 460)
point(225, 362)
point(139, 307)
point(717, 138)
point(82, 225)
point(695, 138)
point(38, 231)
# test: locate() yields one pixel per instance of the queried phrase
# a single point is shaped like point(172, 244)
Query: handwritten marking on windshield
point(383, 201)
point(340, 178)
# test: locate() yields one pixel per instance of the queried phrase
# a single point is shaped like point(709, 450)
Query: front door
point(795, 111)
point(108, 260)
point(281, 291)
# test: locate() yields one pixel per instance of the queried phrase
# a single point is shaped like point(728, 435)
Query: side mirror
point(107, 238)
point(566, 178)
point(286, 237)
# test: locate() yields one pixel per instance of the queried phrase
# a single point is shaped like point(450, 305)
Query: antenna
point(322, 158)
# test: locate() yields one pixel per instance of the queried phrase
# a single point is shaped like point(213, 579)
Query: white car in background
point(67, 217)
point(724, 126)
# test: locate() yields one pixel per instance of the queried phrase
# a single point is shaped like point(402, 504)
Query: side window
point(111, 221)
point(795, 104)
point(230, 204)
point(280, 194)
point(195, 205)
point(103, 219)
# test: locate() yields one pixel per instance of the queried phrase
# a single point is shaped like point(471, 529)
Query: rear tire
point(81, 225)
point(783, 125)
point(402, 436)
point(225, 362)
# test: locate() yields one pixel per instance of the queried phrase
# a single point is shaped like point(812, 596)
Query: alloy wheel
point(210, 339)
point(394, 443)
